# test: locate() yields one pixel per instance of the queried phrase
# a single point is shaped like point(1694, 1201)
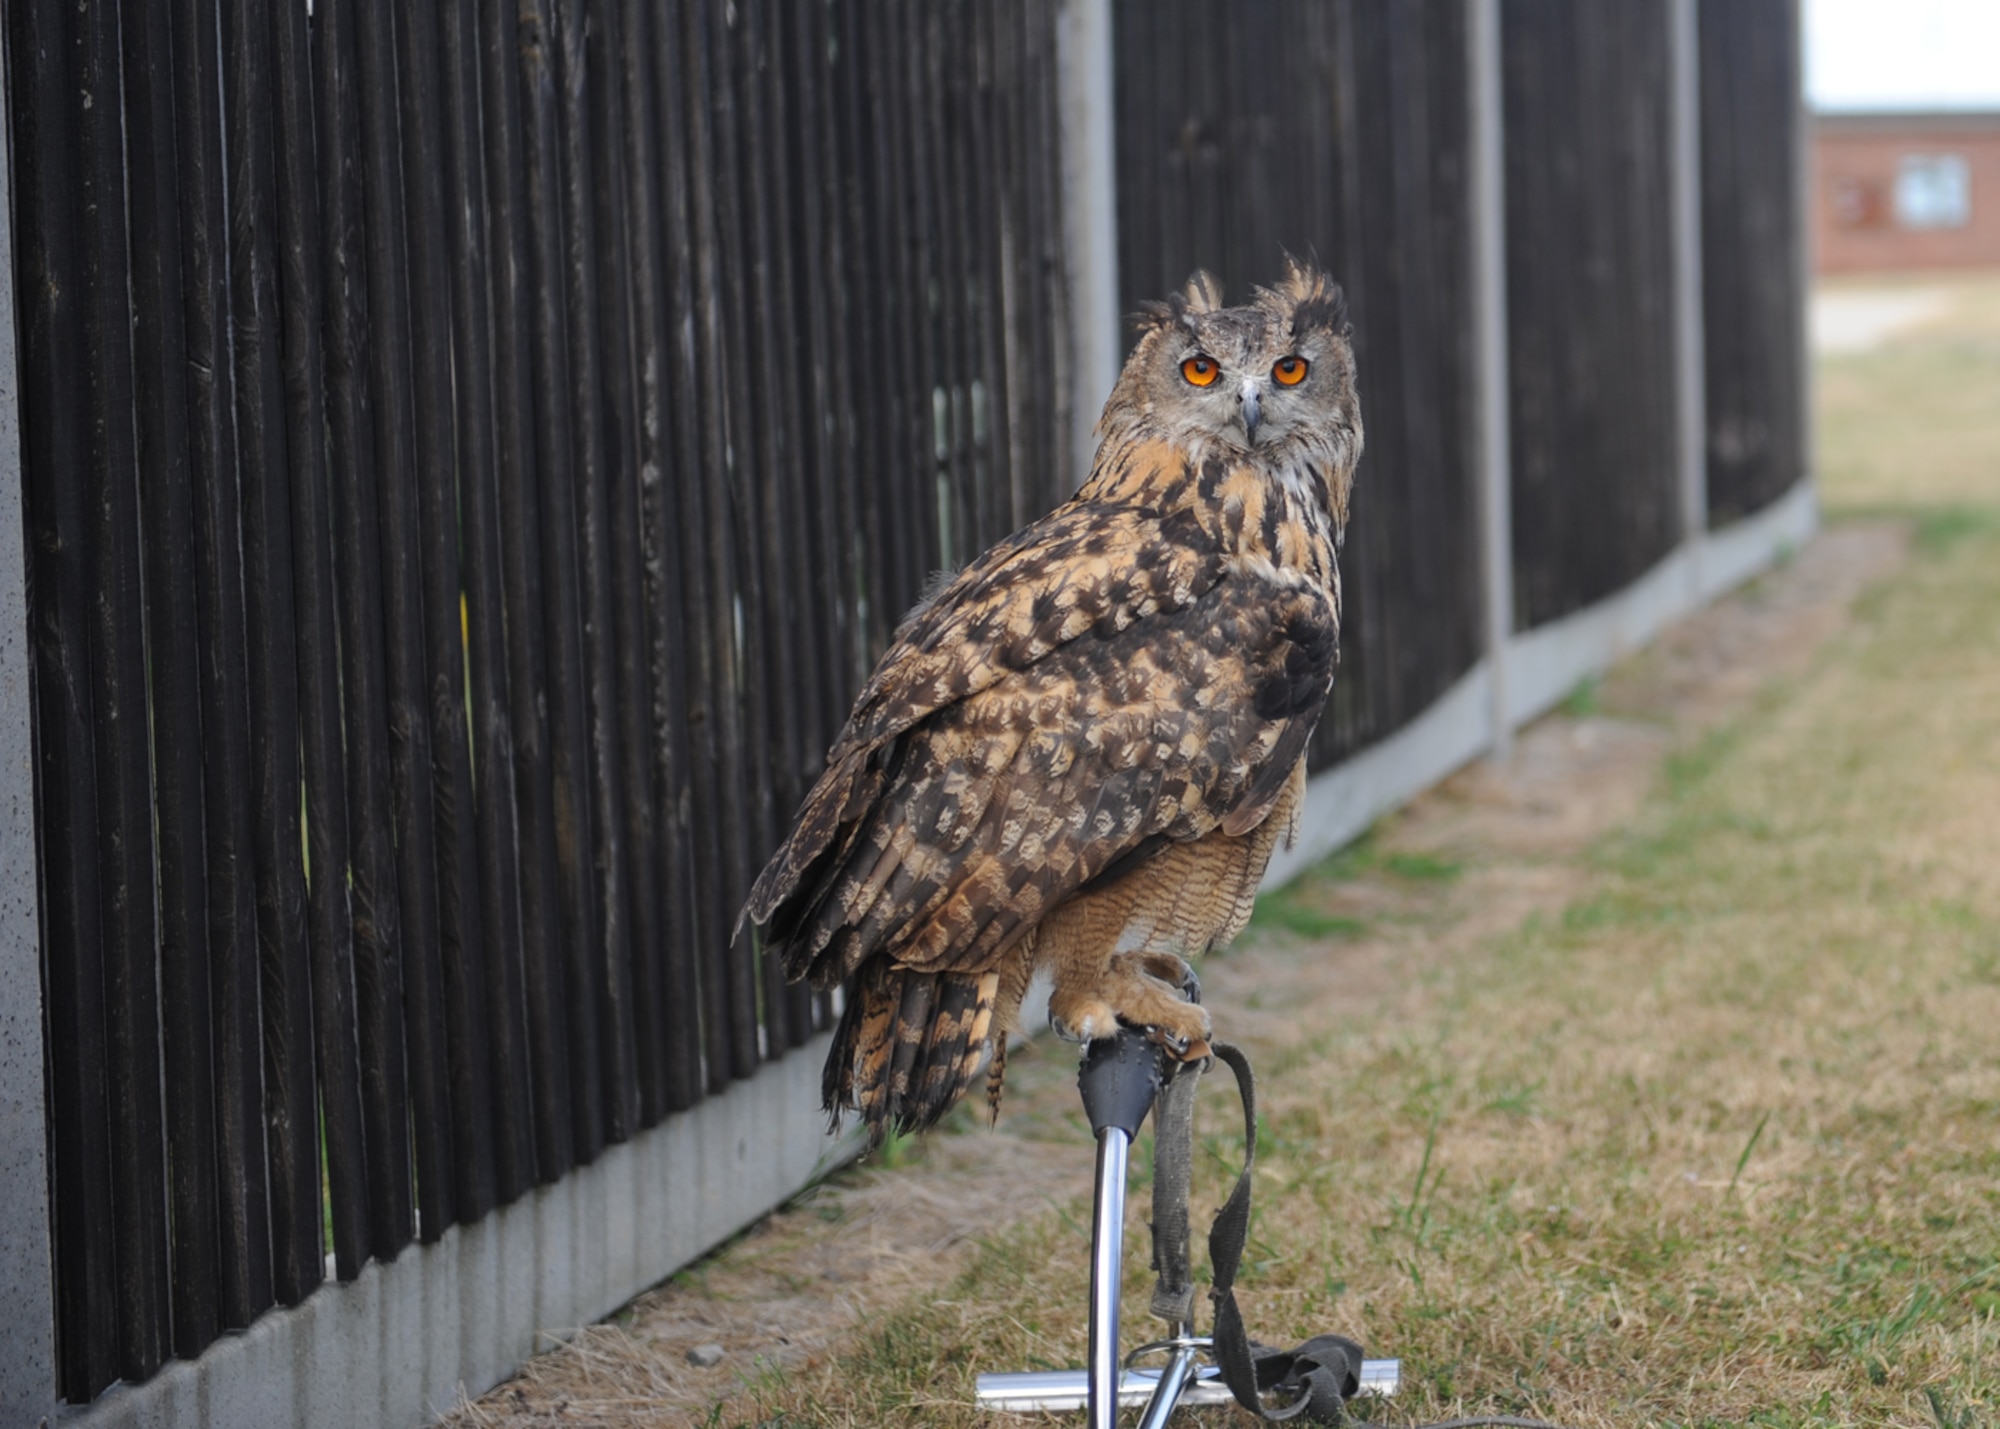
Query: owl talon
point(1181, 1049)
point(1140, 991)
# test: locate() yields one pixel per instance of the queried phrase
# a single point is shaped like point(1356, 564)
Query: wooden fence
point(470, 466)
point(470, 455)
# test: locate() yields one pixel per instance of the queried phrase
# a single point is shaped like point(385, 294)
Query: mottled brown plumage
point(1079, 754)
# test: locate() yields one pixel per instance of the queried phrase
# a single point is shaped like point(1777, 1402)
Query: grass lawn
point(1707, 1131)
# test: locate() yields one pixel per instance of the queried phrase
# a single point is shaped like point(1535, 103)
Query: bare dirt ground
point(807, 1282)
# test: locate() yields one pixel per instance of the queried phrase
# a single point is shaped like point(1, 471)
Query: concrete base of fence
point(1343, 801)
point(397, 1345)
point(1543, 666)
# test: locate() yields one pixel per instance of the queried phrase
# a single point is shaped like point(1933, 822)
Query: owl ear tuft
point(1200, 294)
point(1314, 301)
point(1203, 292)
point(1156, 314)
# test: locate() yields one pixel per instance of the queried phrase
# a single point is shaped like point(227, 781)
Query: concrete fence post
point(1802, 215)
point(27, 1286)
point(1489, 350)
point(1690, 370)
point(1090, 213)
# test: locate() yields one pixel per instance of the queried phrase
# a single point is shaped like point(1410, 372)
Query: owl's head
point(1272, 380)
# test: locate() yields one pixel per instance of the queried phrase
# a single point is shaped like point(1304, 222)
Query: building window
point(1933, 191)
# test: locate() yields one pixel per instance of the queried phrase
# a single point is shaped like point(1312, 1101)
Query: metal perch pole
point(1119, 1080)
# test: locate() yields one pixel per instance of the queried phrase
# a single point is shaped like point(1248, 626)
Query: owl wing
point(1086, 567)
point(1067, 707)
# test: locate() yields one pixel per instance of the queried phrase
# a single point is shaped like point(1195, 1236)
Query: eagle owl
point(1078, 754)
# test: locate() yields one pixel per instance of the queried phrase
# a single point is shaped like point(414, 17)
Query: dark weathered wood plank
point(487, 1049)
point(682, 525)
point(382, 933)
point(172, 637)
point(281, 979)
point(47, 169)
point(652, 699)
point(520, 461)
point(443, 625)
point(119, 712)
point(321, 747)
point(600, 401)
point(243, 1210)
point(557, 459)
point(729, 979)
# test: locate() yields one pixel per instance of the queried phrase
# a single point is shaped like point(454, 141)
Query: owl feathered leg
point(908, 1045)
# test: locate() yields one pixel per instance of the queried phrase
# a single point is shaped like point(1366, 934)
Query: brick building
point(1906, 190)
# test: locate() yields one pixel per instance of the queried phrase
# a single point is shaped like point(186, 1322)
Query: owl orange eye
point(1201, 371)
point(1289, 371)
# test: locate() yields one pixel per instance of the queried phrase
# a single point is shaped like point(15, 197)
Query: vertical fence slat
point(915, 370)
point(329, 918)
point(424, 668)
point(653, 698)
point(557, 459)
point(856, 202)
point(290, 1102)
point(243, 1210)
point(729, 978)
point(821, 279)
point(119, 715)
point(388, 916)
point(600, 399)
point(48, 195)
point(619, 153)
point(487, 1050)
point(681, 525)
point(522, 456)
point(814, 603)
point(444, 623)
point(776, 561)
point(740, 513)
point(167, 504)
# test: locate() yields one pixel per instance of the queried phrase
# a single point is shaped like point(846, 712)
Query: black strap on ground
point(1313, 1382)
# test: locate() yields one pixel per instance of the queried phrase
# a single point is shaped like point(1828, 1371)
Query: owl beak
point(1250, 400)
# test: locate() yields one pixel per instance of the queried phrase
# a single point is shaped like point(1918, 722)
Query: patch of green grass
point(1422, 867)
point(1300, 907)
point(899, 1148)
point(1939, 530)
point(1289, 913)
point(1584, 701)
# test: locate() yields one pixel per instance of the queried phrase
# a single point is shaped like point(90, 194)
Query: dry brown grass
point(1652, 1079)
point(1911, 424)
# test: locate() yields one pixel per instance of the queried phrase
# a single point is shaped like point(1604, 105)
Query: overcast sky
point(1903, 54)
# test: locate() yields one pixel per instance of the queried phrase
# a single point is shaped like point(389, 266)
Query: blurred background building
point(1905, 163)
point(1895, 190)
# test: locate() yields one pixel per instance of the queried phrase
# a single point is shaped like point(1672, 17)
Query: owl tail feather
point(908, 1045)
